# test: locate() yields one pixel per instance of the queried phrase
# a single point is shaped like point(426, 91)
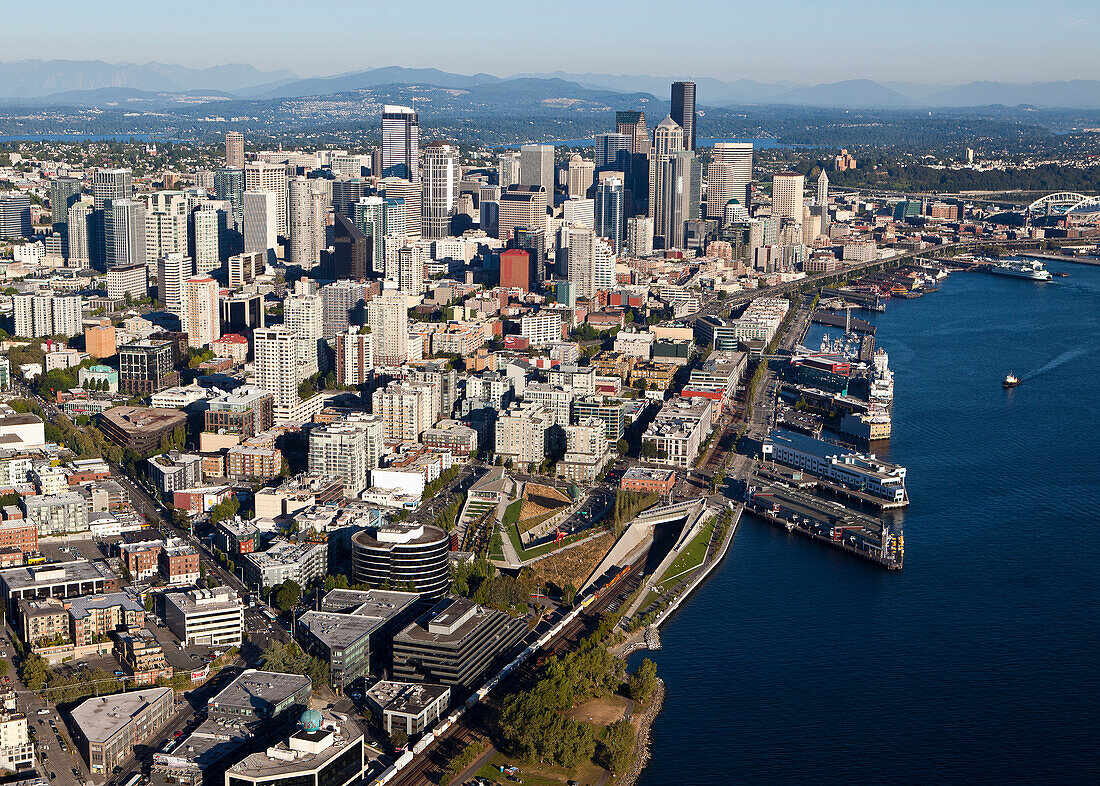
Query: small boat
point(1061, 274)
point(1011, 380)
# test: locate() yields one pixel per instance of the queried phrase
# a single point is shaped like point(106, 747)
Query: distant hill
point(359, 80)
point(1077, 93)
point(853, 92)
point(38, 78)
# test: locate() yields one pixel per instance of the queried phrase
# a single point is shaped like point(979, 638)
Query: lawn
point(691, 557)
point(539, 774)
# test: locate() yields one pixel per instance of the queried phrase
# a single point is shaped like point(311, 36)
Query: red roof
point(232, 338)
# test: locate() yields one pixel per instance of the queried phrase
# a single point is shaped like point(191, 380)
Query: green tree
point(288, 595)
point(643, 682)
point(616, 751)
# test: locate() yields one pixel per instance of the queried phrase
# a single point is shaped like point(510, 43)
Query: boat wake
point(1061, 360)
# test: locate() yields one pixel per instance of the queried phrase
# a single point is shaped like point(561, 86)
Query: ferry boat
point(1028, 269)
point(1011, 380)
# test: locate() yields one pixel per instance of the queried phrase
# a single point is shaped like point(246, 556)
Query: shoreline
point(641, 741)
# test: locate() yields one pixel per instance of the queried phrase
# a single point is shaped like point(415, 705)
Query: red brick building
point(657, 481)
point(17, 532)
point(515, 269)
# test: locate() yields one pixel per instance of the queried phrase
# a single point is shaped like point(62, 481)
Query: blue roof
point(807, 444)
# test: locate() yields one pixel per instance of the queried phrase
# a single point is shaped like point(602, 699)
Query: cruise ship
point(1025, 269)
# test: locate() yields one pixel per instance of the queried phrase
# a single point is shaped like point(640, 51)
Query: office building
point(579, 212)
point(145, 367)
point(609, 216)
point(822, 200)
point(683, 111)
point(388, 319)
point(210, 617)
point(328, 750)
point(370, 216)
point(234, 150)
point(787, 189)
point(201, 322)
point(56, 580)
point(141, 429)
point(729, 176)
point(352, 250)
point(111, 184)
point(454, 644)
point(128, 281)
point(15, 216)
point(346, 192)
point(677, 196)
point(261, 223)
point(107, 729)
point(632, 124)
point(124, 233)
point(64, 193)
point(243, 268)
point(406, 197)
point(229, 187)
point(407, 706)
point(612, 152)
point(536, 168)
point(440, 178)
point(406, 555)
point(515, 269)
point(521, 206)
point(400, 143)
point(269, 178)
point(579, 177)
point(507, 170)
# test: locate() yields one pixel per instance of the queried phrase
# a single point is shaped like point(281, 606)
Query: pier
point(827, 522)
point(835, 320)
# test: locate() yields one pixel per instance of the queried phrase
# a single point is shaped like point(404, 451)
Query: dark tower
point(683, 111)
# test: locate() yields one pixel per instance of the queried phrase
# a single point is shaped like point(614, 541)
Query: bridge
point(1066, 203)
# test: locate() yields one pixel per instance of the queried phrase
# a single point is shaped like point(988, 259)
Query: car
point(44, 711)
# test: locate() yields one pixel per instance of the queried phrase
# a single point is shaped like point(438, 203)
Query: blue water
point(86, 138)
point(977, 662)
point(758, 143)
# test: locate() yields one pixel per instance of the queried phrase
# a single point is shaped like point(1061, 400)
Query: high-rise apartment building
point(276, 367)
point(243, 268)
point(208, 241)
point(388, 318)
point(822, 200)
point(347, 450)
point(260, 176)
point(234, 150)
point(201, 321)
point(79, 230)
point(145, 367)
point(440, 180)
point(639, 236)
point(591, 262)
point(307, 214)
point(536, 168)
point(579, 212)
point(166, 226)
point(400, 143)
point(343, 303)
point(410, 196)
point(173, 271)
point(40, 314)
point(15, 216)
point(683, 111)
point(304, 315)
point(787, 188)
point(354, 357)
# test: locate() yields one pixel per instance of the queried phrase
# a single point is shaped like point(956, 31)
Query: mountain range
point(89, 82)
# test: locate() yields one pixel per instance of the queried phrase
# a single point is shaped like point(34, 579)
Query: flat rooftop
point(83, 606)
point(304, 751)
point(101, 718)
point(407, 698)
point(253, 688)
point(132, 419)
point(338, 631)
point(30, 576)
point(200, 601)
point(370, 603)
point(646, 473)
point(451, 621)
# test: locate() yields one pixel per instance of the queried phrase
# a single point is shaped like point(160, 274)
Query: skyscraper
point(15, 215)
point(609, 212)
point(276, 368)
point(411, 196)
point(400, 143)
point(124, 233)
point(668, 138)
point(64, 192)
point(234, 150)
point(166, 219)
point(729, 176)
point(440, 180)
point(208, 236)
point(632, 124)
point(677, 195)
point(639, 236)
point(229, 186)
point(388, 318)
point(580, 175)
point(823, 200)
point(536, 168)
point(521, 206)
point(261, 222)
point(683, 111)
point(787, 188)
point(110, 184)
point(591, 262)
point(304, 315)
point(79, 227)
point(260, 176)
point(307, 211)
point(507, 170)
point(612, 151)
point(351, 250)
point(201, 321)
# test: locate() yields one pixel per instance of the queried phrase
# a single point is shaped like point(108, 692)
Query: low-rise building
point(141, 656)
point(140, 428)
point(142, 559)
point(214, 617)
point(57, 514)
point(173, 471)
point(236, 536)
point(646, 480)
point(301, 562)
point(108, 728)
point(836, 463)
point(16, 748)
point(678, 430)
point(92, 618)
point(454, 644)
point(179, 562)
point(410, 707)
point(57, 580)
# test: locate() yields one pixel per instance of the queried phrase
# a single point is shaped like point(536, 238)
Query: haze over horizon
point(939, 43)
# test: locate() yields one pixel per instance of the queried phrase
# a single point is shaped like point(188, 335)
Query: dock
point(778, 473)
point(836, 320)
point(798, 511)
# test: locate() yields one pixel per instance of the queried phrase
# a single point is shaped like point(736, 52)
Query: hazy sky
point(927, 41)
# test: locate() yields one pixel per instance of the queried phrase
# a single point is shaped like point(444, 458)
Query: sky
point(925, 42)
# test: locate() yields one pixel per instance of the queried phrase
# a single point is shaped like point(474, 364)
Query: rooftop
point(101, 718)
point(305, 751)
point(449, 621)
point(406, 698)
point(257, 689)
point(200, 601)
point(143, 418)
point(83, 606)
point(55, 573)
point(338, 631)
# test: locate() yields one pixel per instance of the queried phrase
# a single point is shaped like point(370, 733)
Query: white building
point(541, 328)
point(202, 321)
point(388, 318)
point(214, 617)
point(260, 176)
